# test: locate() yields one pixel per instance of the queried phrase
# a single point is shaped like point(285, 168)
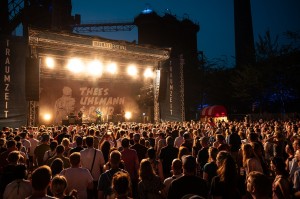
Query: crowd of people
point(174, 160)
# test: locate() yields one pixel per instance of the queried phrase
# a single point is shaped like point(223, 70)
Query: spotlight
point(112, 68)
point(47, 117)
point(75, 65)
point(132, 70)
point(49, 62)
point(95, 68)
point(148, 73)
point(128, 115)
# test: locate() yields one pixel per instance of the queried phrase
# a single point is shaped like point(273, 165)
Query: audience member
point(40, 181)
point(258, 185)
point(121, 185)
point(189, 183)
point(78, 178)
point(150, 185)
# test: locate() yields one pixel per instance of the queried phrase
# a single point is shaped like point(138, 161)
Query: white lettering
point(7, 52)
point(6, 79)
point(108, 45)
point(171, 87)
point(6, 114)
point(6, 96)
point(7, 69)
point(6, 87)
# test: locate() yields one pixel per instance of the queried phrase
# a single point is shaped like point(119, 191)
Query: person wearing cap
point(41, 149)
point(189, 183)
point(140, 149)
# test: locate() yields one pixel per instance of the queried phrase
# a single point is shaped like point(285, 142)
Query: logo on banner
point(6, 80)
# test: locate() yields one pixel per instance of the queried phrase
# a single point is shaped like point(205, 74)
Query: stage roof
point(62, 44)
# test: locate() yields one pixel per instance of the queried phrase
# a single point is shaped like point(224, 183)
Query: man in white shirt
point(93, 160)
point(33, 143)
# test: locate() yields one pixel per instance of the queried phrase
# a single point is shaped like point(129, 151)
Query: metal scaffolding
point(32, 113)
point(156, 94)
point(103, 27)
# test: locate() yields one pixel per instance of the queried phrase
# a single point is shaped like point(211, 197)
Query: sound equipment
point(32, 79)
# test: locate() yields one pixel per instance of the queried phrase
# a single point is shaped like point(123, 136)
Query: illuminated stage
point(95, 76)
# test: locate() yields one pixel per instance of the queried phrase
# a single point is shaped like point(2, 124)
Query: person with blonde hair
point(59, 186)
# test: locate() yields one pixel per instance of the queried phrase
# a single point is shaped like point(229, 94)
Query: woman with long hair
point(280, 186)
point(150, 185)
point(250, 160)
point(156, 164)
point(224, 185)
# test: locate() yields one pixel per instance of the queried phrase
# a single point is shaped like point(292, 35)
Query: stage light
point(148, 73)
point(49, 62)
point(75, 65)
point(47, 117)
point(132, 70)
point(95, 68)
point(128, 115)
point(112, 68)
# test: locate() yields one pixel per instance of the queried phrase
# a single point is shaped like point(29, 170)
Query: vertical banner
point(12, 90)
point(171, 104)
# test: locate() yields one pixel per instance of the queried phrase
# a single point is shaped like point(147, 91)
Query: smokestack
point(244, 41)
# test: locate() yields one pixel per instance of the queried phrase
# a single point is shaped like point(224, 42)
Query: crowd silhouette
point(174, 160)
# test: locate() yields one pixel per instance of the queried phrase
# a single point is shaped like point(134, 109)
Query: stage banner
point(62, 98)
point(170, 103)
point(13, 51)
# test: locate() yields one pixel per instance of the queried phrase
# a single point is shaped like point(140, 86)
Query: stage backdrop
point(13, 51)
point(62, 97)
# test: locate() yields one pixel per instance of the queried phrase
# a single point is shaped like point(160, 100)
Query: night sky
point(215, 17)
